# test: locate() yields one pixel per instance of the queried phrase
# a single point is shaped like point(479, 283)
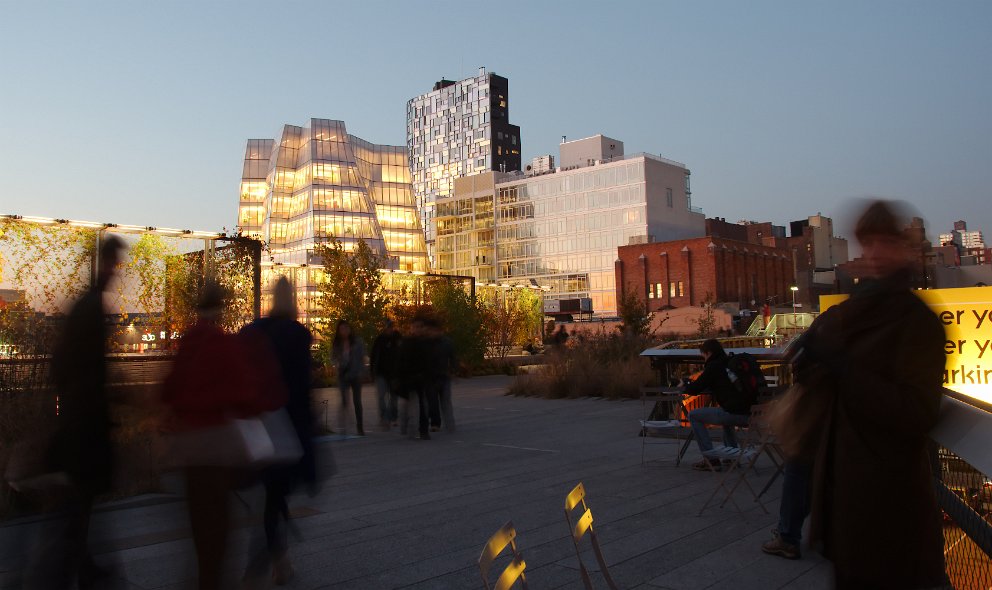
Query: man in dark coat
point(81, 447)
point(731, 409)
point(881, 359)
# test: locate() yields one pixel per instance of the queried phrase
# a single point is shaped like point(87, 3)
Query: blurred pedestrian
point(416, 374)
point(215, 378)
point(879, 360)
point(383, 360)
point(348, 352)
point(290, 343)
point(444, 363)
point(81, 446)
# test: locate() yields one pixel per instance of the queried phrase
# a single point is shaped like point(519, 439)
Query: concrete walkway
point(404, 513)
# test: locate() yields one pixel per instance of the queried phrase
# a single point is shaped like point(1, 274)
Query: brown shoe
point(282, 571)
point(708, 465)
point(778, 546)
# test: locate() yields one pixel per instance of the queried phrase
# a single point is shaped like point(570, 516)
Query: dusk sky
point(137, 112)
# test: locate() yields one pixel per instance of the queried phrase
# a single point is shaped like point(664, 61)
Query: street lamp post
point(793, 288)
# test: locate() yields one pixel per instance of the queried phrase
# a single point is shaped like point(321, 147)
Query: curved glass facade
point(316, 183)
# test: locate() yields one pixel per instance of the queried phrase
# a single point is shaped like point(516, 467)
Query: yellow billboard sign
point(966, 315)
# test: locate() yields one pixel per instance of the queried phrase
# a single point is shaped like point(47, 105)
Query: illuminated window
point(671, 289)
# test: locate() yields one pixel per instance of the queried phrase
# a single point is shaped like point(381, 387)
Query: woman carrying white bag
point(218, 391)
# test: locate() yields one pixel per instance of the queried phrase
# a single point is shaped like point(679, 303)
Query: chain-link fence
point(964, 494)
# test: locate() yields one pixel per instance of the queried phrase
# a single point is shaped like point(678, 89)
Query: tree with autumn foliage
point(351, 288)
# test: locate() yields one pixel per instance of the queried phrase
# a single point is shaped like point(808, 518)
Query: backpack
point(745, 374)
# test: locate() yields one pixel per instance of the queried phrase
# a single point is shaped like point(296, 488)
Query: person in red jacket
point(216, 377)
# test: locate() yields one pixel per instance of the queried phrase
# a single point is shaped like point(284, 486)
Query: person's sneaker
point(717, 453)
point(729, 453)
point(708, 465)
point(780, 547)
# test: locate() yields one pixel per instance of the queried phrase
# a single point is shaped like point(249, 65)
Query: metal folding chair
point(514, 571)
point(577, 497)
point(656, 397)
point(761, 440)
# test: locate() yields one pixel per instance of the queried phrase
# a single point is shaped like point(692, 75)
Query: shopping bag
point(284, 440)
point(235, 443)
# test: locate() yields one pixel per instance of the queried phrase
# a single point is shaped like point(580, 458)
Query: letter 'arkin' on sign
point(976, 376)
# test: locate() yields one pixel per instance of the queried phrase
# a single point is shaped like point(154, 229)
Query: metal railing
point(788, 324)
point(31, 374)
point(960, 463)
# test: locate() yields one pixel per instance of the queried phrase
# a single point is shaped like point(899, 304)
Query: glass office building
point(316, 183)
point(561, 230)
point(457, 129)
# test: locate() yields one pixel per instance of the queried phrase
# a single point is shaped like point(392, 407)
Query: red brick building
point(685, 272)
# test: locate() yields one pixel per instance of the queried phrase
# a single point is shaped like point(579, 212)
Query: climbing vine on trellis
point(51, 263)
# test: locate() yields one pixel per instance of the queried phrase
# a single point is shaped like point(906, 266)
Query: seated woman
point(732, 407)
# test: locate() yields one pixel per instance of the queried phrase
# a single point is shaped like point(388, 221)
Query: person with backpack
point(733, 399)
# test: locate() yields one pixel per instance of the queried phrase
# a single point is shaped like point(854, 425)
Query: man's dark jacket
point(81, 446)
point(714, 380)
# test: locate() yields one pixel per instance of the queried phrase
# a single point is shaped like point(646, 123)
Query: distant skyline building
point(541, 165)
point(589, 151)
point(560, 230)
point(962, 238)
point(455, 130)
point(319, 183)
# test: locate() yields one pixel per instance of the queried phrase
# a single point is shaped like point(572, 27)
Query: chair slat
point(500, 539)
point(582, 525)
point(513, 572)
point(577, 494)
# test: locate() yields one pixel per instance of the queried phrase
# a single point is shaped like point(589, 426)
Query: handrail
point(965, 429)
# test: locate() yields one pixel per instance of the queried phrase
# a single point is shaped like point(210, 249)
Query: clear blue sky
point(137, 112)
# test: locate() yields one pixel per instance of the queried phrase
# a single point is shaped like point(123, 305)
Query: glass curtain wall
point(254, 189)
point(320, 184)
point(562, 231)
